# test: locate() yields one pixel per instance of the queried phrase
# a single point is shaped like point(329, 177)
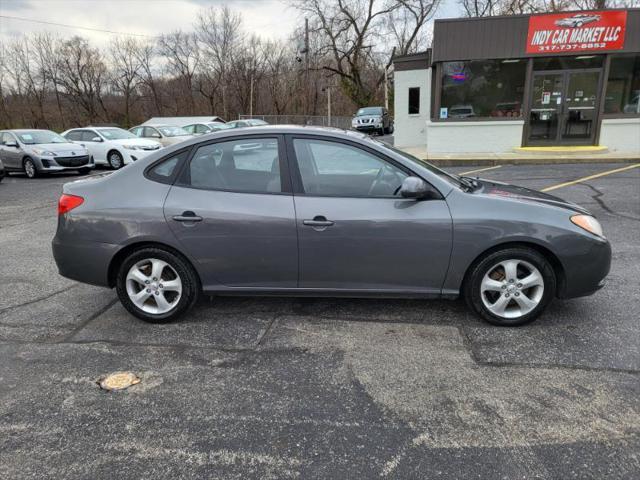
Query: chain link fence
point(315, 120)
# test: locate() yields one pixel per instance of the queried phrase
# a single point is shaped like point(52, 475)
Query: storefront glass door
point(563, 107)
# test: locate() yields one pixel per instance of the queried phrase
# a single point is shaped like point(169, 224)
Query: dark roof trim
point(505, 37)
point(413, 61)
point(527, 15)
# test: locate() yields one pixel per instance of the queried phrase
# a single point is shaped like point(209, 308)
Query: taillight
point(66, 203)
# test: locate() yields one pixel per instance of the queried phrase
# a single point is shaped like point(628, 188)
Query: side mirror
point(414, 187)
point(96, 139)
point(11, 143)
point(156, 135)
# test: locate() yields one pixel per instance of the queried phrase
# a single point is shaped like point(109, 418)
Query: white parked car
point(111, 145)
point(165, 134)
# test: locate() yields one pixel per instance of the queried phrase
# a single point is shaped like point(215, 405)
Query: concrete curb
point(535, 160)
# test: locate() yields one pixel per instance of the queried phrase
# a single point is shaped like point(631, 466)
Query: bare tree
point(125, 71)
point(82, 76)
point(219, 32)
point(182, 53)
point(406, 24)
point(355, 34)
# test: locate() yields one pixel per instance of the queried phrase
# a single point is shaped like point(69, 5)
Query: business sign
point(577, 32)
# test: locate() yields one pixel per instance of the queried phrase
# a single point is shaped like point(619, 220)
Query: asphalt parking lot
point(319, 388)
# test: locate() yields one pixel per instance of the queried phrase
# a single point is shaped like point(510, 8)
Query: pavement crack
point(598, 199)
point(86, 322)
point(266, 331)
point(468, 343)
point(39, 299)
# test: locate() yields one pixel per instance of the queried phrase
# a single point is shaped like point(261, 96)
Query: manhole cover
point(118, 381)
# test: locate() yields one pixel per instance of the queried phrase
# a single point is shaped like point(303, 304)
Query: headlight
point(46, 153)
point(588, 223)
point(131, 147)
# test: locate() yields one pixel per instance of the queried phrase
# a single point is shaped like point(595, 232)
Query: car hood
point(65, 149)
point(499, 189)
point(141, 142)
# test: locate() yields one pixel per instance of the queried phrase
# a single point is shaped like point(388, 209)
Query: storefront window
point(482, 89)
point(623, 86)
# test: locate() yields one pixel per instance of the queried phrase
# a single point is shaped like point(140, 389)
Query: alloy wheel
point(115, 160)
point(29, 168)
point(512, 288)
point(154, 286)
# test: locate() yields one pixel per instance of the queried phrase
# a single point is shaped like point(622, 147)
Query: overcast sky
point(268, 18)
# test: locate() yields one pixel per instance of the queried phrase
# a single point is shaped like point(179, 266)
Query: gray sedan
point(321, 212)
point(35, 152)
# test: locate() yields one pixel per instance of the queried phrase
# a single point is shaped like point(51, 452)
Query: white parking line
point(480, 170)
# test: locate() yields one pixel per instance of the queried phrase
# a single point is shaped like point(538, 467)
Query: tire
point(115, 160)
point(486, 290)
point(30, 169)
point(84, 171)
point(179, 299)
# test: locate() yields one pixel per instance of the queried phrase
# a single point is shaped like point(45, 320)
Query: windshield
point(369, 111)
point(173, 131)
point(115, 133)
point(451, 178)
point(255, 123)
point(219, 126)
point(37, 137)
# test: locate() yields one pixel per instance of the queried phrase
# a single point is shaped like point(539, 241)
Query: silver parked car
point(35, 152)
point(165, 134)
point(321, 212)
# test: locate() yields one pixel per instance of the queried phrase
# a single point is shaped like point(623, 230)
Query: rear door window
point(248, 165)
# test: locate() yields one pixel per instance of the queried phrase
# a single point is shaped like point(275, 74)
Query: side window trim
point(283, 159)
point(296, 177)
point(176, 172)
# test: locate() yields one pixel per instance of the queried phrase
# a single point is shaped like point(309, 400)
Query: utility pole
point(328, 89)
point(251, 98)
point(306, 59)
point(386, 88)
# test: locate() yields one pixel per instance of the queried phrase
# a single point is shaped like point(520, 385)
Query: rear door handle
point(318, 221)
point(187, 216)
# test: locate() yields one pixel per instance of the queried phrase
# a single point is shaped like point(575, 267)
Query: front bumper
point(585, 268)
point(130, 156)
point(370, 127)
point(52, 164)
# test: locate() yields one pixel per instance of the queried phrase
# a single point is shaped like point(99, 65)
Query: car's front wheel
point(30, 168)
point(157, 285)
point(115, 160)
point(510, 287)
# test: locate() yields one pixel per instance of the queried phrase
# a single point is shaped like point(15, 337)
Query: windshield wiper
point(470, 183)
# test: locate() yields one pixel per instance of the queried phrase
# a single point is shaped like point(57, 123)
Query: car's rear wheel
point(510, 287)
point(115, 160)
point(30, 168)
point(157, 285)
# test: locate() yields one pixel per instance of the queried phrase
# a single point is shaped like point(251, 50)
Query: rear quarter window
point(165, 171)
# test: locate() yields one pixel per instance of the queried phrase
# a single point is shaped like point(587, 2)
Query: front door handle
point(318, 221)
point(187, 216)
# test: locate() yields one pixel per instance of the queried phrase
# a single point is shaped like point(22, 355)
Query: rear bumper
point(586, 269)
point(86, 262)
